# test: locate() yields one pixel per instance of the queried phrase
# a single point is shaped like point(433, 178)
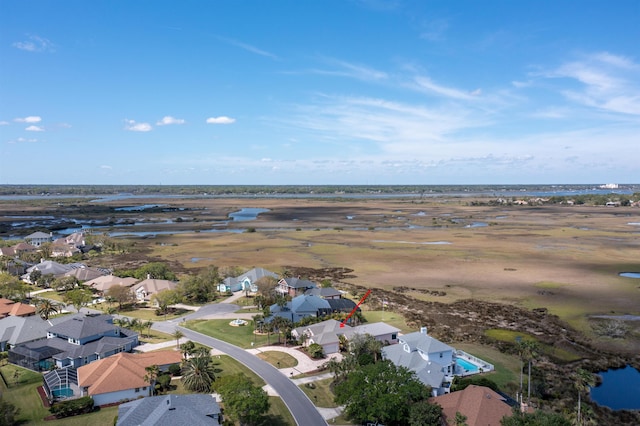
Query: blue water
point(620, 389)
point(247, 213)
point(630, 274)
point(466, 365)
point(64, 392)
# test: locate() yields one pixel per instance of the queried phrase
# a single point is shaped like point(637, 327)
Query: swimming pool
point(466, 366)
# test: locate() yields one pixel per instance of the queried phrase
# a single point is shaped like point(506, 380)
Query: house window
point(394, 336)
point(440, 354)
point(137, 390)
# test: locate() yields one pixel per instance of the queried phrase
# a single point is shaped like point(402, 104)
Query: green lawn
point(320, 393)
point(507, 367)
point(392, 318)
point(239, 336)
point(278, 359)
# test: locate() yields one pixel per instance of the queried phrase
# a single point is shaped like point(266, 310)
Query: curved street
point(301, 408)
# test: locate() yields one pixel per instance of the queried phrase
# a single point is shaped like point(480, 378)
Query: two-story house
point(294, 286)
point(431, 360)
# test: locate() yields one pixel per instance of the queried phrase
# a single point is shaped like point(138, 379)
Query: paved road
point(301, 408)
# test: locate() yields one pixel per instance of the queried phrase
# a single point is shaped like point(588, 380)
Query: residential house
point(171, 410)
point(327, 334)
point(39, 238)
point(105, 282)
point(74, 342)
point(311, 306)
point(431, 360)
point(87, 273)
point(301, 307)
point(68, 246)
point(481, 406)
point(294, 286)
point(9, 307)
point(122, 377)
point(17, 249)
point(147, 288)
point(246, 281)
point(328, 293)
point(50, 267)
point(15, 330)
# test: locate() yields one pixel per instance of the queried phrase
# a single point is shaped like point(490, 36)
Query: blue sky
point(319, 92)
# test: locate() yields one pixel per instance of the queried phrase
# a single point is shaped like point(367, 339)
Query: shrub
point(174, 369)
point(72, 407)
point(315, 351)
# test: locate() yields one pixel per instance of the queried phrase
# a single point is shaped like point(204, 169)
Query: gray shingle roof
point(428, 372)
point(82, 327)
point(170, 410)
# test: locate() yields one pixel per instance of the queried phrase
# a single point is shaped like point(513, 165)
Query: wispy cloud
point(23, 140)
point(221, 120)
point(4, 123)
point(351, 70)
point(134, 126)
point(34, 128)
point(426, 85)
point(106, 167)
point(35, 43)
point(29, 119)
point(608, 82)
point(170, 120)
point(434, 30)
point(247, 47)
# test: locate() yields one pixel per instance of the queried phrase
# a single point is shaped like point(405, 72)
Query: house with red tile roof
point(121, 377)
point(17, 309)
point(481, 405)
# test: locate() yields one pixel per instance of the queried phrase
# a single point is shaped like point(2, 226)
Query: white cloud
point(29, 119)
point(4, 123)
point(106, 167)
point(169, 120)
point(221, 120)
point(607, 82)
point(425, 84)
point(34, 128)
point(133, 126)
point(23, 140)
point(248, 47)
point(351, 70)
point(35, 44)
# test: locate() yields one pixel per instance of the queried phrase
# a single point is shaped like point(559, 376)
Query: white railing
point(483, 365)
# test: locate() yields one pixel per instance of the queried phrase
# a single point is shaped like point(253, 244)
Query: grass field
point(239, 336)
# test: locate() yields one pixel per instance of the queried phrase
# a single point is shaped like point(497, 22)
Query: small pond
point(619, 389)
point(247, 213)
point(630, 274)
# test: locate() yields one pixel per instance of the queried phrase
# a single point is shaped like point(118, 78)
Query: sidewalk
point(305, 364)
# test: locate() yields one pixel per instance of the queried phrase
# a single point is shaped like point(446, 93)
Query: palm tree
point(177, 334)
point(530, 351)
point(147, 325)
point(583, 381)
point(198, 374)
point(46, 307)
point(151, 375)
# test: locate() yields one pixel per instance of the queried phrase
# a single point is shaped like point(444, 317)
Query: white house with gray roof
point(38, 238)
point(431, 360)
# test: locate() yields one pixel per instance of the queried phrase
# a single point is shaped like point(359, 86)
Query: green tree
point(151, 374)
point(242, 399)
point(460, 419)
point(8, 413)
point(315, 351)
point(79, 298)
point(12, 288)
point(198, 374)
point(177, 334)
point(64, 283)
point(381, 392)
point(120, 294)
point(46, 307)
point(583, 380)
point(425, 414)
point(164, 299)
point(157, 270)
point(187, 349)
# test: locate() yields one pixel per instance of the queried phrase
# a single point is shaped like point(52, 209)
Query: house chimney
point(423, 330)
